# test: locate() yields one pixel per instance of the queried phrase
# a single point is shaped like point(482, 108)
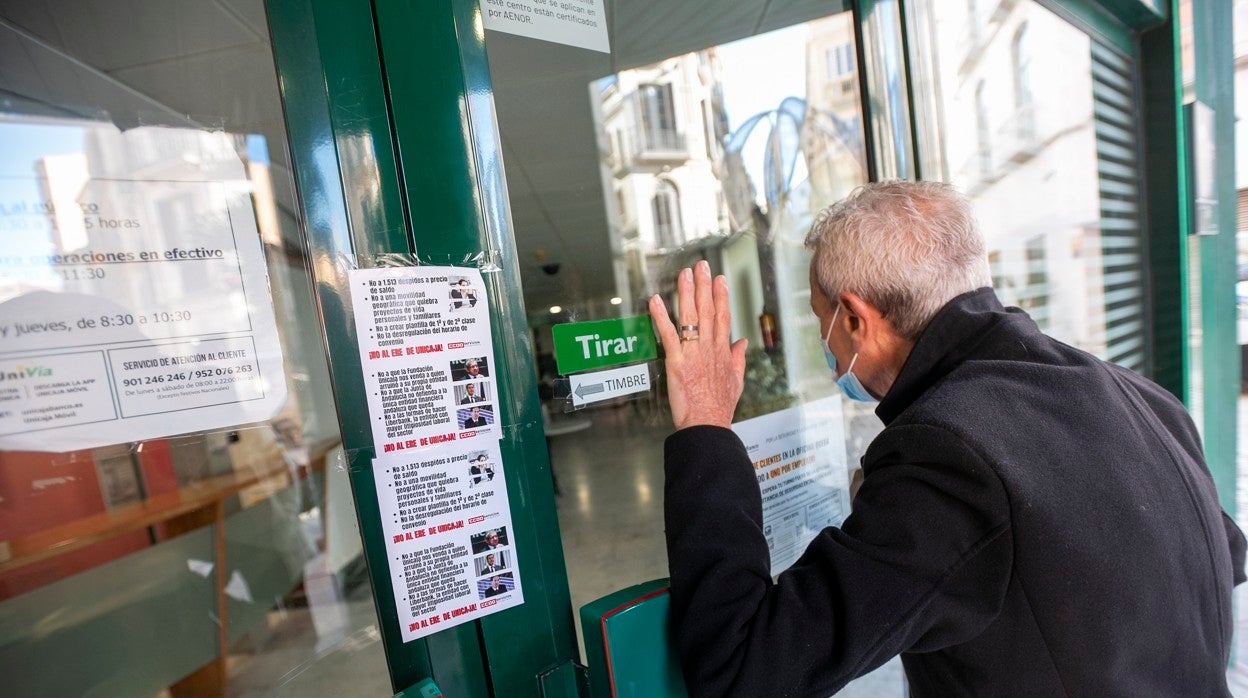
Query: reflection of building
point(1021, 108)
point(661, 128)
point(683, 182)
point(832, 140)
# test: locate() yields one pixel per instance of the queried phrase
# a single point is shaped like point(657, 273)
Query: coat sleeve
point(922, 563)
point(1235, 539)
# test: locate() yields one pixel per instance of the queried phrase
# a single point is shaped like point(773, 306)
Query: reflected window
point(666, 209)
point(1021, 60)
point(1051, 165)
point(984, 144)
point(658, 117)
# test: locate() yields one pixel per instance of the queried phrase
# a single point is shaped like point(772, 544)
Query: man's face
point(824, 308)
point(492, 539)
point(473, 369)
point(471, 389)
point(489, 559)
point(493, 582)
point(476, 412)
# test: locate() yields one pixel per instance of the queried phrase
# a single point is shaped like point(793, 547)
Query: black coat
point(1032, 521)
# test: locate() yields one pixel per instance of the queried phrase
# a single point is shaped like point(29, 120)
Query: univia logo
point(20, 372)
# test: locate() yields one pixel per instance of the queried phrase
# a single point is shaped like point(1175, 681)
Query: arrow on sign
point(588, 389)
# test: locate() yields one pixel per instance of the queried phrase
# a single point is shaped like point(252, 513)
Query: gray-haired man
point(1033, 520)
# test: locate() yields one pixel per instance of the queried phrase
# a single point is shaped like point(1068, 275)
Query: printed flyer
point(424, 336)
point(799, 460)
point(448, 535)
point(134, 295)
point(426, 351)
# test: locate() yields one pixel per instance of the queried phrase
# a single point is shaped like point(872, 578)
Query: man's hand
point(705, 374)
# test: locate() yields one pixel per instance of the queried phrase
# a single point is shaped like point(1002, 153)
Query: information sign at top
point(580, 23)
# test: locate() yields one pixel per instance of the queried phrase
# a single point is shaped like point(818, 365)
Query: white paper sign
point(134, 296)
point(427, 355)
point(424, 336)
point(581, 23)
point(604, 385)
point(449, 537)
point(799, 460)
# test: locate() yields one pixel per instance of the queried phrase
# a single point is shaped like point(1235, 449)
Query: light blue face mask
point(847, 382)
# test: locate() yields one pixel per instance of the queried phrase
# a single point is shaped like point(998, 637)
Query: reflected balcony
point(976, 171)
point(1000, 9)
point(659, 146)
point(1018, 139)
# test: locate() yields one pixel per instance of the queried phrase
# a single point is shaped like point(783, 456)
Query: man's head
point(494, 581)
point(476, 413)
point(471, 389)
point(890, 256)
point(489, 559)
point(907, 248)
point(472, 368)
point(492, 538)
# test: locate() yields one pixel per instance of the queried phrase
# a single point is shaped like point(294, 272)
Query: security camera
point(551, 269)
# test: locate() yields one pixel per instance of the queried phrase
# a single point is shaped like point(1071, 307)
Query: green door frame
point(396, 150)
point(407, 161)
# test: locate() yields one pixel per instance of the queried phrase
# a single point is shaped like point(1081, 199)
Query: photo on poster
point(473, 368)
point(474, 417)
point(480, 468)
point(491, 563)
point(495, 585)
point(463, 295)
point(488, 540)
point(472, 392)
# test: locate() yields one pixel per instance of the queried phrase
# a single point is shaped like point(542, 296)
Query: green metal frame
point(1219, 352)
point(390, 116)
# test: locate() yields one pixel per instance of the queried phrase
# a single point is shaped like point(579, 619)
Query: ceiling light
point(616, 300)
point(556, 309)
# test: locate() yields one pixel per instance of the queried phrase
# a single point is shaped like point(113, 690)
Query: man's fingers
point(723, 311)
point(663, 323)
point(706, 304)
point(686, 308)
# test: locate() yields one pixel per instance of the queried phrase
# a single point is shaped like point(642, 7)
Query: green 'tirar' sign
point(581, 346)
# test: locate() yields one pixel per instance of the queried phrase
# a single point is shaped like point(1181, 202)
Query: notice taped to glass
point(799, 459)
point(428, 360)
point(134, 296)
point(449, 537)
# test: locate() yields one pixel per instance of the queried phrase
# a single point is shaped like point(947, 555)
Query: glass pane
point(1237, 674)
point(171, 465)
point(707, 132)
point(1053, 123)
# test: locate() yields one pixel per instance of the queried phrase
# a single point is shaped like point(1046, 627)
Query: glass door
point(684, 131)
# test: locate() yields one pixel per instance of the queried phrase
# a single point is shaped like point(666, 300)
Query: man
point(492, 540)
point(470, 395)
point(475, 420)
point(490, 566)
point(494, 589)
point(463, 295)
point(1032, 521)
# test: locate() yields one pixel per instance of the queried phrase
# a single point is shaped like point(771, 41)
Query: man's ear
point(864, 320)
